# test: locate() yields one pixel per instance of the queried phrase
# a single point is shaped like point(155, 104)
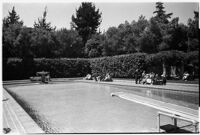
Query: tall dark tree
point(11, 29)
point(161, 14)
point(193, 32)
point(23, 43)
point(45, 43)
point(147, 42)
point(42, 23)
point(71, 45)
point(87, 20)
point(174, 37)
point(94, 46)
point(159, 25)
point(12, 18)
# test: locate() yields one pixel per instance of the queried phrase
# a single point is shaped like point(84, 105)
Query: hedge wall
point(122, 66)
point(58, 68)
point(119, 66)
point(12, 69)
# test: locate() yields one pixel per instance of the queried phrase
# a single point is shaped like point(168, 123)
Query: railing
point(174, 128)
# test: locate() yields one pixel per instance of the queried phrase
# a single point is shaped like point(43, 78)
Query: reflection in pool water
point(187, 99)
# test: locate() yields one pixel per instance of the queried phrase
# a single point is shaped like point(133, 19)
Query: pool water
point(78, 107)
point(182, 98)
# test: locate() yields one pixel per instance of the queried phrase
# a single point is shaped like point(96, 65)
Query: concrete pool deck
point(168, 86)
point(30, 127)
point(15, 118)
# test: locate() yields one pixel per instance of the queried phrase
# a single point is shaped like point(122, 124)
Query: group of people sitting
point(150, 78)
point(99, 78)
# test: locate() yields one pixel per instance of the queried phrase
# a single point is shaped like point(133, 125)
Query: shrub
point(170, 58)
point(63, 67)
point(118, 66)
point(12, 69)
point(58, 68)
point(121, 66)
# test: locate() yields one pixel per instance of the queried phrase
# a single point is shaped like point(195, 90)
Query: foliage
point(174, 37)
point(59, 68)
point(12, 69)
point(87, 20)
point(42, 24)
point(193, 32)
point(23, 42)
point(63, 67)
point(161, 16)
point(70, 42)
point(44, 43)
point(146, 44)
point(147, 36)
point(93, 47)
point(193, 57)
point(11, 29)
point(118, 66)
point(12, 18)
point(10, 35)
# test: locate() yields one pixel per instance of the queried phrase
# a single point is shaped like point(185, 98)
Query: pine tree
point(11, 29)
point(42, 24)
point(86, 21)
point(161, 15)
point(12, 18)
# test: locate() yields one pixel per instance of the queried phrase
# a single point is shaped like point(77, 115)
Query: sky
point(113, 14)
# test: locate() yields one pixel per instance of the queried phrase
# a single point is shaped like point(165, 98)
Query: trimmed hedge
point(121, 66)
point(63, 67)
point(12, 69)
point(58, 68)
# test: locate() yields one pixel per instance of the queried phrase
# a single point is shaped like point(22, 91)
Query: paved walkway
point(16, 119)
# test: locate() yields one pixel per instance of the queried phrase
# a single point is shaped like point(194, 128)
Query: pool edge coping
point(21, 116)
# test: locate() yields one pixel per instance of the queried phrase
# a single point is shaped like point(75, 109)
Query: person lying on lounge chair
point(88, 77)
point(107, 77)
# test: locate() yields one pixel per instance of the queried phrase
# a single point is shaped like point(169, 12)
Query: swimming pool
point(78, 107)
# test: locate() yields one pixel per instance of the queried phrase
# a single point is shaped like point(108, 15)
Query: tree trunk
point(164, 69)
point(173, 71)
point(182, 69)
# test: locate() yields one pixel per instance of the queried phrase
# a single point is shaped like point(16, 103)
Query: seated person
point(148, 79)
point(152, 77)
point(107, 77)
point(47, 78)
point(186, 76)
point(99, 78)
point(158, 80)
point(88, 77)
point(155, 79)
point(144, 79)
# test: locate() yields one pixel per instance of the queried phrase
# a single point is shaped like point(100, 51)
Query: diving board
point(174, 110)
